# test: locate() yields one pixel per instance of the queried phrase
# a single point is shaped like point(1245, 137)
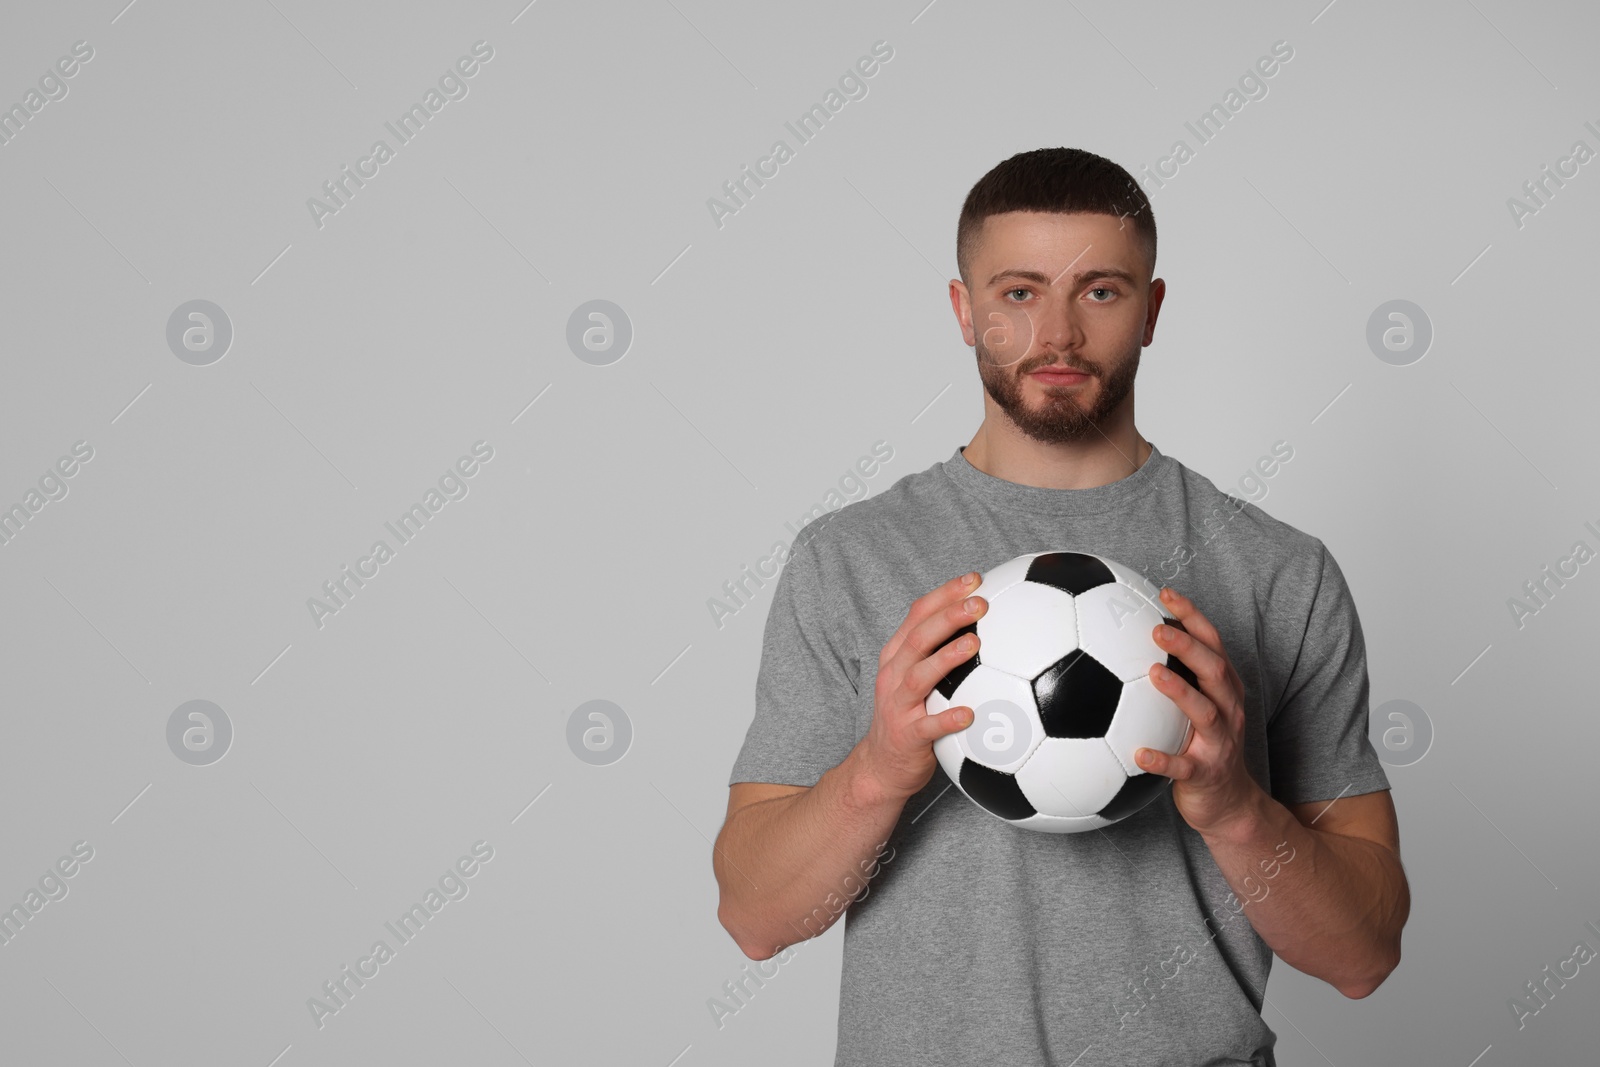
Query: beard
point(1060, 419)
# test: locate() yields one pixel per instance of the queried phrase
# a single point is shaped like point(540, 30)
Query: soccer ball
point(1061, 694)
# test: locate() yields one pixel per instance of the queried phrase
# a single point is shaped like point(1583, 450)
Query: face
point(1069, 292)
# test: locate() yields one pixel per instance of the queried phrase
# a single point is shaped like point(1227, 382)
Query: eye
point(1103, 289)
point(1019, 289)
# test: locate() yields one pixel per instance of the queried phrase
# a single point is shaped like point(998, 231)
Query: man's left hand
point(1211, 786)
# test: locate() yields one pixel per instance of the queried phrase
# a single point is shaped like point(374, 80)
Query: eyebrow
point(1078, 279)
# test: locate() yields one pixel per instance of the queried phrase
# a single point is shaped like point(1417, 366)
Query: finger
point(1194, 704)
point(1194, 621)
point(1178, 768)
point(928, 604)
point(948, 721)
point(932, 634)
point(1209, 670)
point(919, 680)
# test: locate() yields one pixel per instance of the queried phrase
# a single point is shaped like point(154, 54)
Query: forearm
point(787, 868)
point(1334, 908)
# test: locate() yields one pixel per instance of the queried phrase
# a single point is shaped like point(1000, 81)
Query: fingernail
point(972, 605)
point(971, 579)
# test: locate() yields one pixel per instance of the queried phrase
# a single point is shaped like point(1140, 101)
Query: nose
point(1056, 324)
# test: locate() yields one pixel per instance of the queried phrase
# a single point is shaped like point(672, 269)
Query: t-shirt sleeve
point(1317, 741)
point(806, 687)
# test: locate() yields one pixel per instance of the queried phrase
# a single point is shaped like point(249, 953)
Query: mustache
point(1080, 368)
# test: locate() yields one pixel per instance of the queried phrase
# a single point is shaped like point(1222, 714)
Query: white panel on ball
point(1005, 727)
point(1146, 718)
point(998, 579)
point(1056, 824)
point(1114, 625)
point(1071, 776)
point(1141, 585)
point(1027, 628)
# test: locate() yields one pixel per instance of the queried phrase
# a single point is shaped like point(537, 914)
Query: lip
point(1061, 377)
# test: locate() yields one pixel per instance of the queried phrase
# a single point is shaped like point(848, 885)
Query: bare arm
point(789, 859)
point(1338, 897)
point(1329, 899)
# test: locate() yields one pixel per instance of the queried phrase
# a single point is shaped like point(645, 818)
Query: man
point(970, 941)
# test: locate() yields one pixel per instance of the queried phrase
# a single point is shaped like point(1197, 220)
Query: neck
point(1110, 455)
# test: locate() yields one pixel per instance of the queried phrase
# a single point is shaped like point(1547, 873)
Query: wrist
point(1248, 822)
point(864, 790)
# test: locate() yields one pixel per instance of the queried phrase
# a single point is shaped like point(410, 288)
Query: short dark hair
point(1055, 179)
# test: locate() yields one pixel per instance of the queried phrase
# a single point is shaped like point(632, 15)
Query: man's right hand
point(897, 751)
point(784, 850)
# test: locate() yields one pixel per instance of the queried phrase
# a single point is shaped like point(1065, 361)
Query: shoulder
point(1242, 531)
point(866, 552)
point(871, 524)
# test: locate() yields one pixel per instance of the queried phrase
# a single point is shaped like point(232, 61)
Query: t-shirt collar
point(1061, 502)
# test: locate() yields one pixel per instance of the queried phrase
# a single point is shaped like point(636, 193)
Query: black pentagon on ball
point(1136, 792)
point(1077, 696)
point(958, 674)
point(1176, 665)
point(1073, 572)
point(995, 791)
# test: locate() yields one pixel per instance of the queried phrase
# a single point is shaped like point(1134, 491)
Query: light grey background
point(768, 355)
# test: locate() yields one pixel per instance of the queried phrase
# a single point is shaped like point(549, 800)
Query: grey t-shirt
point(980, 942)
